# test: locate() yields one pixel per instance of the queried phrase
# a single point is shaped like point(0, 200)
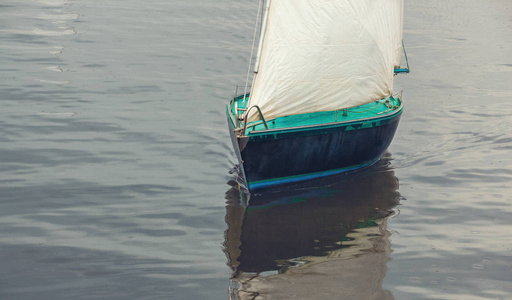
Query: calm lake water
point(115, 163)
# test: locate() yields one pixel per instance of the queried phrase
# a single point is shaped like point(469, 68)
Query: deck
point(375, 109)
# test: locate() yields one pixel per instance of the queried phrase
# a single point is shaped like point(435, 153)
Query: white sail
point(323, 55)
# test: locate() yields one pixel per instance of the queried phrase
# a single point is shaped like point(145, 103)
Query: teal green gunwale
point(365, 116)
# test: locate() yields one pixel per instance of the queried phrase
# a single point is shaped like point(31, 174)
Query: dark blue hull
point(275, 157)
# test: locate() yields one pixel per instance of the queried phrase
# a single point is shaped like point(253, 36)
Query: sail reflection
point(320, 241)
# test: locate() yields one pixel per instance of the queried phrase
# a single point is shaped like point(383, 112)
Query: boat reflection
point(326, 239)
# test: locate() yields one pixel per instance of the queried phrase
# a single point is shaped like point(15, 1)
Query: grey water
point(115, 163)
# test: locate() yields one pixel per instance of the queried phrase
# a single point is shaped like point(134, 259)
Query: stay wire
point(252, 48)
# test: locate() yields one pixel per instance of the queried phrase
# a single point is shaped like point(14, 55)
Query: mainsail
point(324, 55)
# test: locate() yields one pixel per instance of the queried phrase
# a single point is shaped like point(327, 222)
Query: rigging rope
point(405, 54)
point(252, 49)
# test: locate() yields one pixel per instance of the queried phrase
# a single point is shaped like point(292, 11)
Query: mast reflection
point(325, 239)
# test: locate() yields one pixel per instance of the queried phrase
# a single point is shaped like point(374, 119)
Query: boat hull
point(276, 157)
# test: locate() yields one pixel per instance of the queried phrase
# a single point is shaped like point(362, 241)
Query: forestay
point(323, 55)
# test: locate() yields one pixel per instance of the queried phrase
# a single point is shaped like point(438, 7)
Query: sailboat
point(321, 100)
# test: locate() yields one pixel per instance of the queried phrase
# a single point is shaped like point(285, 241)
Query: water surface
point(115, 160)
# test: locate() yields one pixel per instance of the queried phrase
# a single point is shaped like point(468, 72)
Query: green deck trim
point(358, 115)
point(325, 128)
point(403, 70)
